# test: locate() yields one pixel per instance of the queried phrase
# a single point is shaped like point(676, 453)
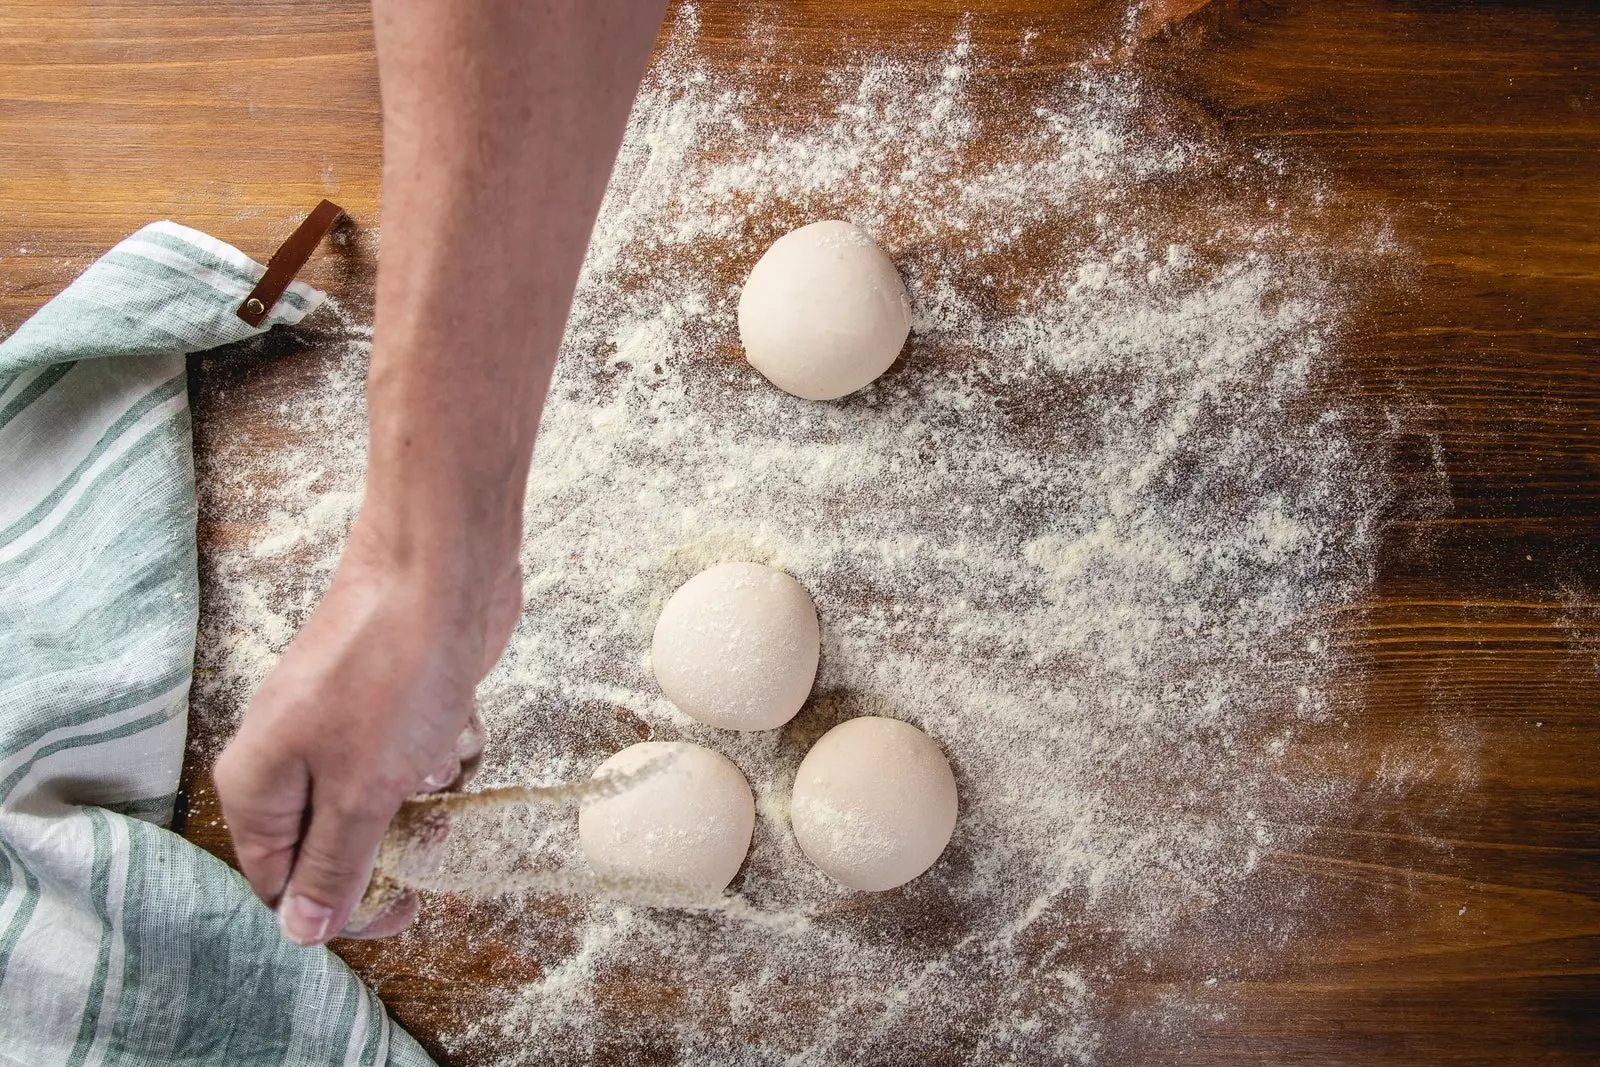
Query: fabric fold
point(120, 942)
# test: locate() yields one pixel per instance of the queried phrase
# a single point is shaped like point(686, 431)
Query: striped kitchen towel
point(120, 942)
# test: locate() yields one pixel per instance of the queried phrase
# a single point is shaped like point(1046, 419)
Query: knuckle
point(247, 770)
point(360, 808)
point(226, 773)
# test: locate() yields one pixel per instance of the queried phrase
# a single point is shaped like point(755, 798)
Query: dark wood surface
point(1456, 917)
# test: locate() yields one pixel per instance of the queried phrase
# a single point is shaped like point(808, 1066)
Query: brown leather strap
point(287, 261)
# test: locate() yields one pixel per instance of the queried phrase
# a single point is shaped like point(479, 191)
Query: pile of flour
point(1087, 534)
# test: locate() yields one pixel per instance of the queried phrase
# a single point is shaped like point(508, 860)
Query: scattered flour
point(1089, 534)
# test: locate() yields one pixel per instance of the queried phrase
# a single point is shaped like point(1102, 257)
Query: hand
point(371, 703)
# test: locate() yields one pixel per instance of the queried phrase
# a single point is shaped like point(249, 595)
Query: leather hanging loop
point(287, 261)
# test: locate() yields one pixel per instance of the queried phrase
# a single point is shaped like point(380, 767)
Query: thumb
point(333, 866)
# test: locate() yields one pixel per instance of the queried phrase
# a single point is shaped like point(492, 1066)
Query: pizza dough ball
point(824, 312)
point(687, 822)
point(737, 647)
point(874, 803)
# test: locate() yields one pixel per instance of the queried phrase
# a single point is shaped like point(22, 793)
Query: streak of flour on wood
point(1089, 534)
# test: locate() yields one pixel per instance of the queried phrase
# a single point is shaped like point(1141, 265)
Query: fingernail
point(303, 921)
point(469, 743)
point(442, 776)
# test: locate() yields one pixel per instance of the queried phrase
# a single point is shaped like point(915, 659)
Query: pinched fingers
point(334, 863)
point(458, 766)
point(417, 851)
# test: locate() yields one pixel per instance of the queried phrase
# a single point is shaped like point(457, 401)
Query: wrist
point(446, 473)
point(440, 540)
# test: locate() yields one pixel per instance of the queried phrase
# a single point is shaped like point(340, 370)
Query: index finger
point(264, 805)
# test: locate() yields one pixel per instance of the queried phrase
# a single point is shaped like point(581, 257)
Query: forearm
point(501, 122)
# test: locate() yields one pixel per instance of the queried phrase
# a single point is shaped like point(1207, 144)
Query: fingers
point(469, 748)
point(442, 776)
point(263, 801)
point(398, 915)
point(315, 873)
point(469, 745)
point(334, 863)
point(459, 764)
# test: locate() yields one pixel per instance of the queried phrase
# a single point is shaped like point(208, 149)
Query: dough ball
point(737, 647)
point(824, 312)
point(688, 822)
point(874, 803)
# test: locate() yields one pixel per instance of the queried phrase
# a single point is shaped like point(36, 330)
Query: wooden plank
point(1450, 916)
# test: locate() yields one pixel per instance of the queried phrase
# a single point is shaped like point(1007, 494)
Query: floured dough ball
point(824, 312)
point(737, 647)
point(874, 803)
point(687, 822)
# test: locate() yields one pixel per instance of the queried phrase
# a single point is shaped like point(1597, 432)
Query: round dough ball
point(874, 803)
point(824, 312)
point(737, 647)
point(688, 822)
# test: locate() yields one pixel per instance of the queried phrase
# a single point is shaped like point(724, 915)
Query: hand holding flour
point(371, 703)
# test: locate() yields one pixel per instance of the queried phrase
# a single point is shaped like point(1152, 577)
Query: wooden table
point(1475, 127)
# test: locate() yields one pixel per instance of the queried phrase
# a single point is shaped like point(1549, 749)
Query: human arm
point(501, 119)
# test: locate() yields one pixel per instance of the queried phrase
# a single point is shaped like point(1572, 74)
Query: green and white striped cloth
point(121, 943)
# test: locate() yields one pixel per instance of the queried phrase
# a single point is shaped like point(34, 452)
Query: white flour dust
point(1087, 534)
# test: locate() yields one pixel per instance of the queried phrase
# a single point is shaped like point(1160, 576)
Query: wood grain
point(1454, 913)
